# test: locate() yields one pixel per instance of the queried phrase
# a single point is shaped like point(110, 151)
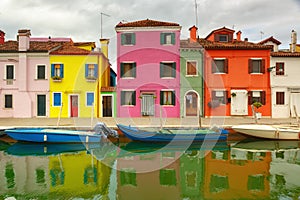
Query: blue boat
point(52, 135)
point(174, 134)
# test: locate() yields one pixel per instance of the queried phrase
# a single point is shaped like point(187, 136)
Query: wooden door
point(41, 105)
point(74, 105)
point(191, 104)
point(107, 106)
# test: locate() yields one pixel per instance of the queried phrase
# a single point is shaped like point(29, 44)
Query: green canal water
point(249, 169)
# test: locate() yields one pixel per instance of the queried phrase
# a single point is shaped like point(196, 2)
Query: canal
point(247, 169)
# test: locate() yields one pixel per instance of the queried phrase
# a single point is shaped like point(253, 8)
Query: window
point(223, 37)
point(57, 71)
point(90, 98)
point(128, 177)
point(9, 72)
point(128, 38)
point(191, 68)
point(220, 65)
point(218, 183)
point(167, 38)
point(256, 182)
point(8, 101)
point(167, 69)
point(279, 98)
point(257, 96)
point(91, 71)
point(128, 70)
point(41, 72)
point(256, 66)
point(56, 99)
point(128, 97)
point(280, 68)
point(167, 98)
point(220, 96)
point(167, 177)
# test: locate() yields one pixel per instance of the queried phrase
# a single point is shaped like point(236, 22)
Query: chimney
point(193, 33)
point(246, 39)
point(23, 38)
point(238, 35)
point(293, 41)
point(104, 46)
point(2, 37)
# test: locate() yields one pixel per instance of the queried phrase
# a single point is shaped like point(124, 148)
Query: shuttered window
point(167, 69)
point(279, 68)
point(128, 70)
point(41, 72)
point(90, 98)
point(56, 99)
point(257, 96)
point(256, 66)
point(279, 98)
point(220, 96)
point(9, 72)
point(220, 65)
point(91, 71)
point(128, 39)
point(128, 98)
point(167, 97)
point(57, 71)
point(191, 68)
point(167, 38)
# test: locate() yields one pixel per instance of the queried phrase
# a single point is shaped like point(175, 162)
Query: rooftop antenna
point(196, 13)
point(101, 20)
point(261, 34)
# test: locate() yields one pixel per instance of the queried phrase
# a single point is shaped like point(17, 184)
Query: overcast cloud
point(80, 19)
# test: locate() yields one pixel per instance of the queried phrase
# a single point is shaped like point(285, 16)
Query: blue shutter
point(96, 70)
point(56, 99)
point(61, 70)
point(52, 70)
point(86, 70)
point(89, 99)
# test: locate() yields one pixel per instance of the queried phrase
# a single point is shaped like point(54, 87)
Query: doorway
point(191, 104)
point(147, 107)
point(41, 105)
point(74, 106)
point(107, 106)
point(239, 102)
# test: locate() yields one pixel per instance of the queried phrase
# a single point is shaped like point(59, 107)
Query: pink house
point(148, 60)
point(24, 68)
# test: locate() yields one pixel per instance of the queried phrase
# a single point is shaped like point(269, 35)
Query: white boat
point(269, 131)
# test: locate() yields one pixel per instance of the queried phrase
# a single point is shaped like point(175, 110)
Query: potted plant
point(233, 94)
point(257, 105)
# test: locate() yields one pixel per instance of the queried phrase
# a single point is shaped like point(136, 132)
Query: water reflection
point(245, 170)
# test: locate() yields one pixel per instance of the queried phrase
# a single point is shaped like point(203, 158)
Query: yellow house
point(75, 80)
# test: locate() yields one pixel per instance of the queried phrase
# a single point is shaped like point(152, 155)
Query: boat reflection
point(253, 169)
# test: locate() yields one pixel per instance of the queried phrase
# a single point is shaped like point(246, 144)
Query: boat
point(254, 144)
point(174, 134)
point(269, 131)
point(53, 135)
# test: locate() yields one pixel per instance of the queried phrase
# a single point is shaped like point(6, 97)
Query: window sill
point(40, 79)
point(191, 75)
point(127, 77)
point(256, 73)
point(168, 44)
point(128, 45)
point(91, 80)
point(280, 75)
point(167, 77)
point(127, 105)
point(168, 105)
point(56, 80)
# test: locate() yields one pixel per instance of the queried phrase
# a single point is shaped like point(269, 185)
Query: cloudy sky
point(80, 19)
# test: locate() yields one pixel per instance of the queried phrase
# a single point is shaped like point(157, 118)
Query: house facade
point(285, 84)
point(75, 81)
point(191, 76)
point(24, 68)
point(236, 75)
point(148, 61)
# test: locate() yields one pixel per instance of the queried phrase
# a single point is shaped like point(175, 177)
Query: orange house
point(236, 75)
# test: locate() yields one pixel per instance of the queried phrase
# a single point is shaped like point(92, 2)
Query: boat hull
point(53, 135)
point(148, 136)
point(268, 132)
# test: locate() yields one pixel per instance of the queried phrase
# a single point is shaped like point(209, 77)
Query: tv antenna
point(196, 13)
point(261, 34)
point(102, 22)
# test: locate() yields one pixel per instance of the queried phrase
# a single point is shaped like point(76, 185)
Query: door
point(239, 102)
point(191, 104)
point(147, 106)
point(295, 104)
point(74, 105)
point(107, 106)
point(41, 105)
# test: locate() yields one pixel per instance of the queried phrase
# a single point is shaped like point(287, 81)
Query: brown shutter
point(217, 37)
point(250, 66)
point(226, 66)
point(250, 97)
point(263, 97)
point(213, 95)
point(263, 65)
point(213, 66)
point(225, 97)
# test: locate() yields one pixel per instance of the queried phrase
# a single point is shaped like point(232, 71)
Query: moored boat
point(174, 135)
point(52, 135)
point(269, 131)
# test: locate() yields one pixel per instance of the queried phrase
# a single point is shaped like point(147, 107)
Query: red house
point(236, 74)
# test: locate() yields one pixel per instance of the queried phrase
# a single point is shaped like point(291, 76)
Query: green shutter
point(122, 39)
point(133, 38)
point(122, 69)
point(173, 98)
point(161, 98)
point(174, 69)
point(162, 38)
point(173, 38)
point(161, 70)
point(133, 98)
point(122, 98)
point(134, 70)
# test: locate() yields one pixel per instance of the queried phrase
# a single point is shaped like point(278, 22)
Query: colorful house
point(191, 76)
point(236, 75)
point(76, 72)
point(285, 84)
point(148, 61)
point(24, 66)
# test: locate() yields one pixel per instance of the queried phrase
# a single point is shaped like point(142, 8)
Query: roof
point(70, 49)
point(219, 30)
point(187, 44)
point(232, 45)
point(272, 39)
point(46, 39)
point(146, 23)
point(285, 54)
point(12, 46)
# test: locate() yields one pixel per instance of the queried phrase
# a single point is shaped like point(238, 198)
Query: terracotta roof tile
point(12, 46)
point(285, 54)
point(219, 30)
point(70, 49)
point(146, 23)
point(272, 39)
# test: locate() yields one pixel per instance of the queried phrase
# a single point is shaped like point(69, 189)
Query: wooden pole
point(296, 114)
point(60, 111)
point(254, 114)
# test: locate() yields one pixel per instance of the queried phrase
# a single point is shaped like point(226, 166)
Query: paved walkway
point(145, 121)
